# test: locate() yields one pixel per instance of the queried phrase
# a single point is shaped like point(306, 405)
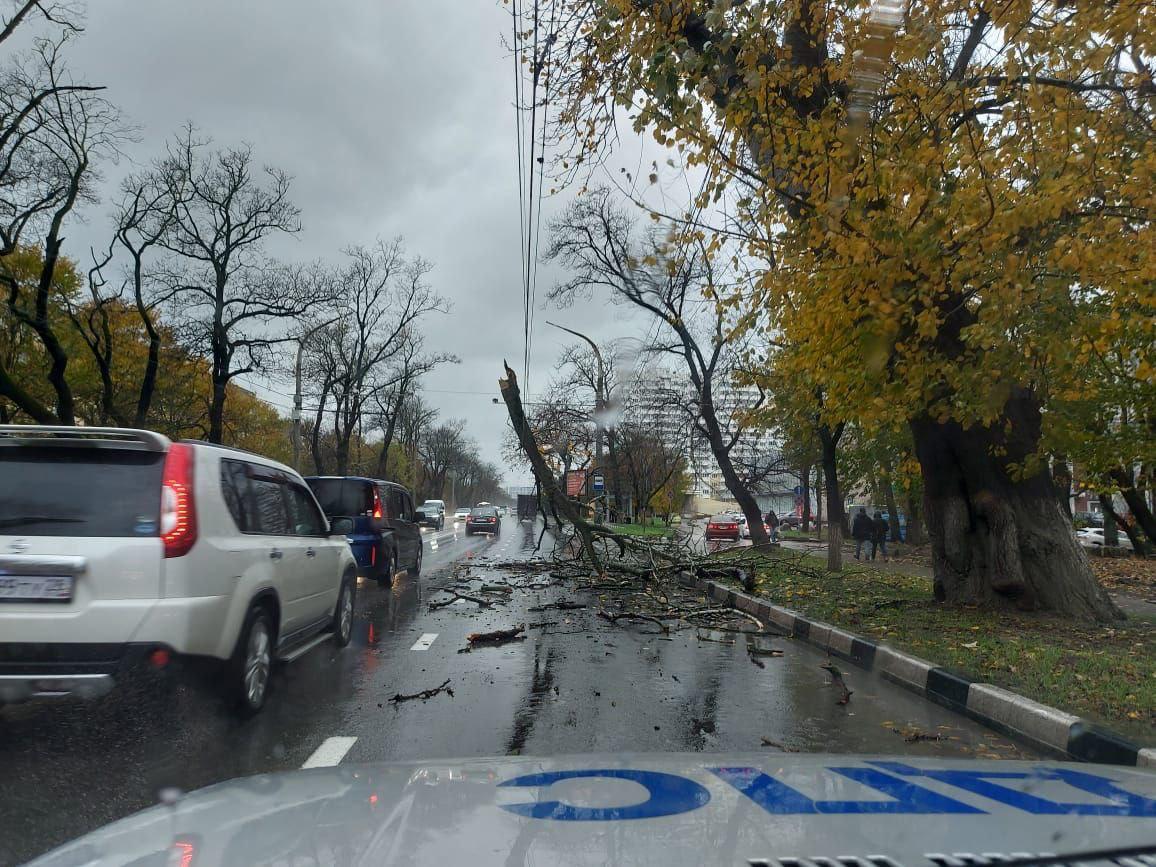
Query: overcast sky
point(394, 118)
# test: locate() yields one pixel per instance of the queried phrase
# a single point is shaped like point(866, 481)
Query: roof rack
point(238, 449)
point(26, 434)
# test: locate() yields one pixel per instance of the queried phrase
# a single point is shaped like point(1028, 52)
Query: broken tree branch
point(424, 694)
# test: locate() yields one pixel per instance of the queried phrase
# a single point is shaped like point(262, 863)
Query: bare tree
point(233, 300)
point(409, 366)
point(596, 241)
point(383, 296)
point(144, 215)
point(53, 130)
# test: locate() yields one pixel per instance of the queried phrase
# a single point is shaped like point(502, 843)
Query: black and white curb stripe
point(999, 709)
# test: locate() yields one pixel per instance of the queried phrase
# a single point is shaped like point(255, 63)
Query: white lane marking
point(425, 641)
point(330, 753)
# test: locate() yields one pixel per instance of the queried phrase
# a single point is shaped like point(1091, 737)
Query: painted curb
point(1007, 712)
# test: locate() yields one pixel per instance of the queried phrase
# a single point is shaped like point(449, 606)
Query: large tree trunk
point(1062, 481)
point(1112, 521)
point(996, 538)
point(738, 489)
point(148, 382)
point(24, 401)
point(829, 438)
point(217, 409)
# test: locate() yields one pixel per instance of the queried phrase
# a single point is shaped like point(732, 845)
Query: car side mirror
point(418, 517)
point(340, 526)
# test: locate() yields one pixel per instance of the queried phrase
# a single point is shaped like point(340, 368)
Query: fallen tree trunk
point(561, 505)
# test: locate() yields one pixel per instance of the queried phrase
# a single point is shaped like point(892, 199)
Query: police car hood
point(858, 811)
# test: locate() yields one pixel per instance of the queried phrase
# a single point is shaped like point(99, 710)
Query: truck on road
point(527, 507)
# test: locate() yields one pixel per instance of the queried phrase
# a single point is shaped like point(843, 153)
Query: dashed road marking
point(330, 753)
point(425, 641)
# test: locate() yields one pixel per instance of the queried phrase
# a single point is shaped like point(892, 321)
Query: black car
point(484, 519)
point(386, 533)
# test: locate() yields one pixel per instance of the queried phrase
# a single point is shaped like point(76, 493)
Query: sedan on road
point(461, 514)
point(484, 519)
point(723, 527)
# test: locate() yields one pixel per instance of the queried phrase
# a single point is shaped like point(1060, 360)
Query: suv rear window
point(343, 498)
point(54, 491)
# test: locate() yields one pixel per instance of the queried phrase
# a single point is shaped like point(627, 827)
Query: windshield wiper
point(38, 519)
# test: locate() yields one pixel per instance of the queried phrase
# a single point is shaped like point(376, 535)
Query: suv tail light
point(178, 511)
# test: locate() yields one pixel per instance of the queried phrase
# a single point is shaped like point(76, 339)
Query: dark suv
point(386, 533)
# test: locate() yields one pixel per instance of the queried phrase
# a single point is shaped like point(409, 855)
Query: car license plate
point(35, 588)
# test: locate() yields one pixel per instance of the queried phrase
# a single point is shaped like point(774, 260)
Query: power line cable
point(519, 132)
point(535, 70)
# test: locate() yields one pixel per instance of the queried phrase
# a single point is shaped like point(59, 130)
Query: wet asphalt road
point(582, 685)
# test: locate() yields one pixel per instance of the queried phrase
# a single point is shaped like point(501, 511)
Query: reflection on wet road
point(575, 684)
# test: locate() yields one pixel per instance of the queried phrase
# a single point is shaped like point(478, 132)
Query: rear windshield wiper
point(38, 519)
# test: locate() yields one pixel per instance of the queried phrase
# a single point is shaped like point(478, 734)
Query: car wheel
point(386, 577)
point(417, 559)
point(343, 613)
point(252, 664)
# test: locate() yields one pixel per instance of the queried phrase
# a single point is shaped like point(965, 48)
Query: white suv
point(119, 547)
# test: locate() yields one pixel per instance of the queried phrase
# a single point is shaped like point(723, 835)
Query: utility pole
point(301, 341)
point(599, 396)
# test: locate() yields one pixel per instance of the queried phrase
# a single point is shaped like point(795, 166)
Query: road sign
point(575, 483)
point(598, 483)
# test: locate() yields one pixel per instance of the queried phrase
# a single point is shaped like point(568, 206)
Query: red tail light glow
point(178, 510)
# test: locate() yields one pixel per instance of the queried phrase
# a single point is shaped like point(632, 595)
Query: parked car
point(120, 548)
point(435, 513)
point(745, 529)
point(386, 534)
point(1093, 537)
point(461, 514)
point(484, 519)
point(722, 527)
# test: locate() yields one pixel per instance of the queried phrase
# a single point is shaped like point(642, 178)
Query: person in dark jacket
point(861, 530)
point(773, 525)
point(879, 535)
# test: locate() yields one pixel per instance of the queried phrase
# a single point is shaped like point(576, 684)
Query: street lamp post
point(599, 397)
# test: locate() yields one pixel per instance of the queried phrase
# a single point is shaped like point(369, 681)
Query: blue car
point(386, 535)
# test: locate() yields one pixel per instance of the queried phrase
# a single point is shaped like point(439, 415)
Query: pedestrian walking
point(773, 525)
point(879, 535)
point(861, 530)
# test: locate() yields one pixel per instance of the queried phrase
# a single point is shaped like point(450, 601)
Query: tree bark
point(1112, 522)
point(829, 438)
point(148, 382)
point(24, 401)
point(1062, 480)
point(995, 538)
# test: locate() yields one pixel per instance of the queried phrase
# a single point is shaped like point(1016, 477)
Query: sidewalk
point(1131, 604)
